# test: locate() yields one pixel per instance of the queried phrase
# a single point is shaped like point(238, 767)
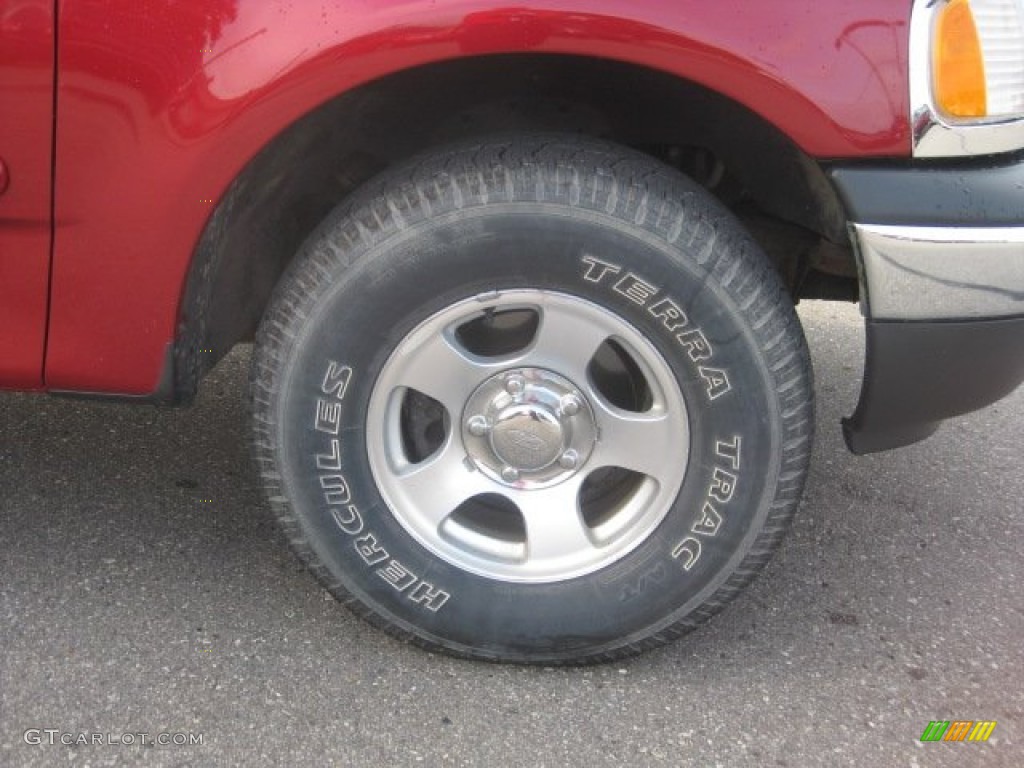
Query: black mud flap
point(918, 373)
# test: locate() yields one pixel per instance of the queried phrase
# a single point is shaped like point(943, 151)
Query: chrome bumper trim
point(941, 273)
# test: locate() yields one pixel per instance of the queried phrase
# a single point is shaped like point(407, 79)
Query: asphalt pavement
point(146, 595)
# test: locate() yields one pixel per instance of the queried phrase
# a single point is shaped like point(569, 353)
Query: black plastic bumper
point(941, 251)
point(986, 192)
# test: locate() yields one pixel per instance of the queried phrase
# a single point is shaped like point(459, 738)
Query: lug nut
point(510, 474)
point(569, 460)
point(515, 385)
point(478, 426)
point(570, 405)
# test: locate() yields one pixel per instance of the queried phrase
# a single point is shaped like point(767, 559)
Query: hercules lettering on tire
point(535, 400)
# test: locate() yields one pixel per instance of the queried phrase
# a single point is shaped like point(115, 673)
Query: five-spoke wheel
point(527, 435)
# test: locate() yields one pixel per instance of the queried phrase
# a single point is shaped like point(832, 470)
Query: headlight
point(978, 58)
point(967, 76)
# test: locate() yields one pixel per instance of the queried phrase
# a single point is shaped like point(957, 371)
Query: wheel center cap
point(527, 437)
point(528, 428)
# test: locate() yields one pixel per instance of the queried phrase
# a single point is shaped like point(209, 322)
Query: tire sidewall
point(350, 322)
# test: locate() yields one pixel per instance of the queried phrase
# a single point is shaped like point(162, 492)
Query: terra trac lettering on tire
point(672, 317)
point(535, 400)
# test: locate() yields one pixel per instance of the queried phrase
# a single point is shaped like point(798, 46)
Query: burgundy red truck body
point(160, 106)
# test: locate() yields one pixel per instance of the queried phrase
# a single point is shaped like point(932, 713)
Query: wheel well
point(284, 192)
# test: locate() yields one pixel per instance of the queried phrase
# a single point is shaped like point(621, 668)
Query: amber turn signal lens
point(958, 69)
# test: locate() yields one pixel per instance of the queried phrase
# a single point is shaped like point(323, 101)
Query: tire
point(536, 400)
